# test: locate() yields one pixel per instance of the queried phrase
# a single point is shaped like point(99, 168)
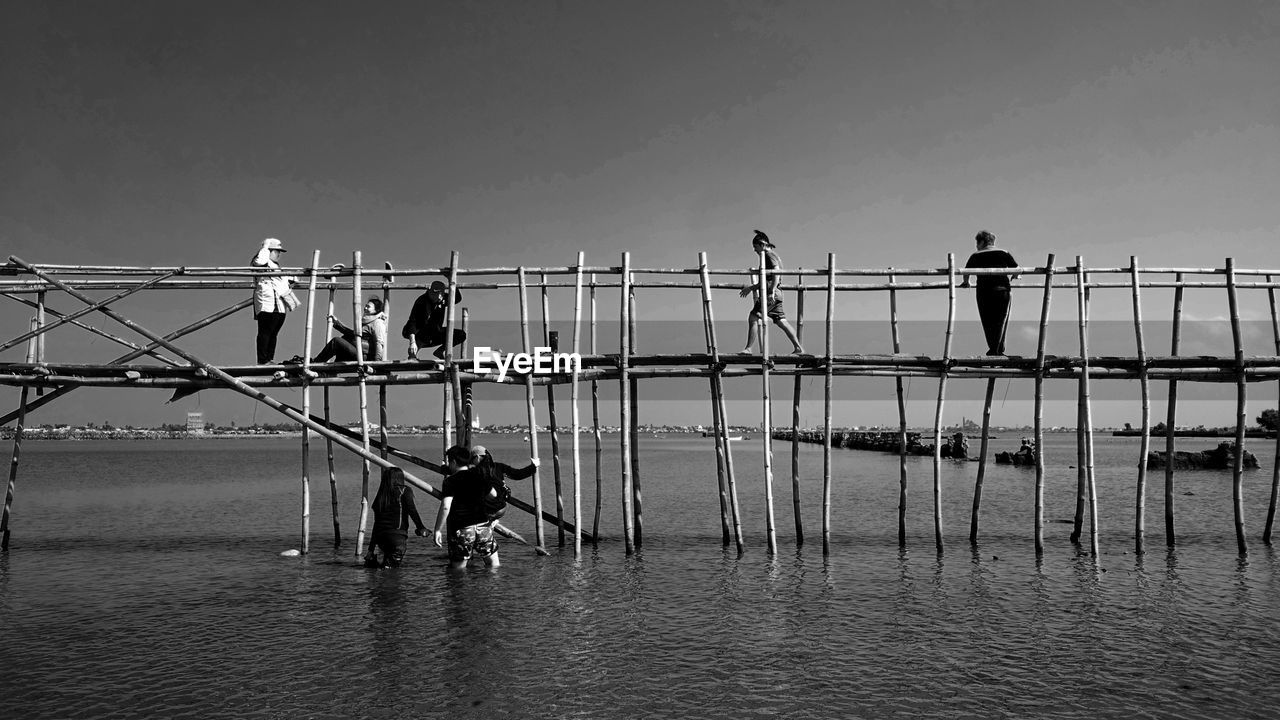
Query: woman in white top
point(272, 298)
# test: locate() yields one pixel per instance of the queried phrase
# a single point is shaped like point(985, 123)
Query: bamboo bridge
point(161, 361)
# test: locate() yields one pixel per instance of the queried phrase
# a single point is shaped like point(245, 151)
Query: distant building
point(195, 423)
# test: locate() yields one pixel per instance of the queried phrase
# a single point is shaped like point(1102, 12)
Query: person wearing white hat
point(272, 298)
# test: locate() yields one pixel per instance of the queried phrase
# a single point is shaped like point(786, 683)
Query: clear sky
point(182, 133)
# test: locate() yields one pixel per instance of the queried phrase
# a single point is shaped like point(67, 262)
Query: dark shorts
point(775, 310)
point(471, 540)
point(392, 547)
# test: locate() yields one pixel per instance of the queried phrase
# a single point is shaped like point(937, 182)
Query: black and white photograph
point(564, 359)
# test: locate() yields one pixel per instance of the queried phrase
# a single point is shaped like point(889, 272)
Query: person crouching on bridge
point(427, 321)
point(761, 243)
point(472, 499)
point(393, 508)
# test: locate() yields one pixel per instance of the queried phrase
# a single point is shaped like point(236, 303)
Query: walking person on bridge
point(772, 304)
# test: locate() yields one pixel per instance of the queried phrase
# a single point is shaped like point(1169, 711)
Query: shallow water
point(145, 580)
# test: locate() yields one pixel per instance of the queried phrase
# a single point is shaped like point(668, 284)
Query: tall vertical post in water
point(1275, 466)
point(1237, 468)
point(1086, 407)
point(552, 340)
point(595, 425)
point(767, 410)
point(450, 372)
point(624, 402)
point(13, 467)
point(356, 311)
point(795, 422)
point(573, 403)
point(829, 332)
point(902, 415)
point(306, 404)
point(1140, 507)
point(982, 462)
point(717, 397)
point(529, 407)
point(328, 442)
point(637, 497)
point(942, 396)
point(1170, 443)
point(1039, 404)
point(716, 420)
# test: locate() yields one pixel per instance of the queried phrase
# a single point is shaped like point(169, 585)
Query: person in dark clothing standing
point(393, 508)
point(993, 291)
point(425, 326)
point(471, 499)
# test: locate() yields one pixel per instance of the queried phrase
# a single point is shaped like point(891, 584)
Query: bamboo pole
point(624, 387)
point(44, 328)
point(795, 423)
point(447, 390)
point(402, 454)
point(829, 332)
point(637, 504)
point(84, 326)
point(539, 531)
point(1170, 443)
point(719, 416)
point(767, 409)
point(13, 469)
point(328, 442)
point(595, 426)
point(387, 280)
point(356, 311)
point(140, 351)
point(573, 402)
point(1140, 509)
point(1275, 466)
point(1082, 442)
point(902, 420)
point(306, 404)
point(1086, 407)
point(721, 489)
point(1237, 468)
point(552, 340)
point(466, 393)
point(982, 462)
point(33, 352)
point(1039, 404)
point(942, 396)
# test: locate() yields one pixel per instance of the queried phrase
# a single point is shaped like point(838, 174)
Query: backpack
point(495, 506)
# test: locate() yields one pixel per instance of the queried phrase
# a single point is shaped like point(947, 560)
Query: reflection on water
point(162, 594)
